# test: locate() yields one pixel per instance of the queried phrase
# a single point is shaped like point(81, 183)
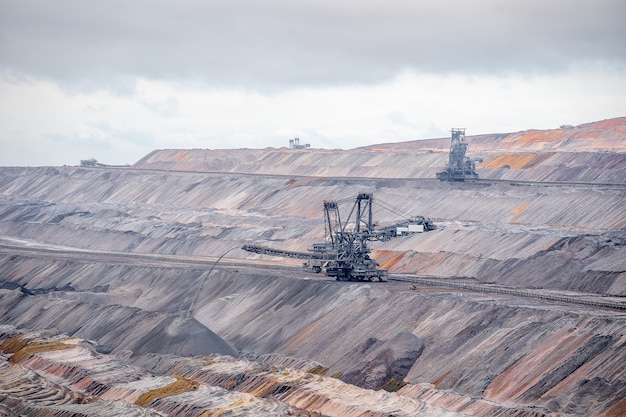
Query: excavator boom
point(263, 250)
point(344, 253)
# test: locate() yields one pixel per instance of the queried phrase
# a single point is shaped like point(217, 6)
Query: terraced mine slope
point(124, 291)
point(592, 152)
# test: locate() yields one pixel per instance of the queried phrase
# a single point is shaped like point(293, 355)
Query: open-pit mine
point(125, 291)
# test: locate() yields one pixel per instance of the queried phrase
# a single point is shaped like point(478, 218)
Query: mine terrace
point(468, 275)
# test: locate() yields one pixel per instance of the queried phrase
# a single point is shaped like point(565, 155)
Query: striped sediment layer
point(550, 236)
point(77, 381)
point(592, 152)
point(500, 349)
point(442, 350)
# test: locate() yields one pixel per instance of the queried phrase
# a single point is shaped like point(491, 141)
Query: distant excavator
point(344, 254)
point(459, 167)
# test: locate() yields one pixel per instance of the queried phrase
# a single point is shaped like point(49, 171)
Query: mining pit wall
point(459, 352)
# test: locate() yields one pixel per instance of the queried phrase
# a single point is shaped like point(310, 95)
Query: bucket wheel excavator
point(344, 254)
point(459, 166)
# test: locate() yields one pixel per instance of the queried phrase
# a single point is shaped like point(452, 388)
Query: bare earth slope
point(141, 267)
point(592, 152)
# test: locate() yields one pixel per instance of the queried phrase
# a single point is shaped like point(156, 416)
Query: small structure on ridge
point(295, 144)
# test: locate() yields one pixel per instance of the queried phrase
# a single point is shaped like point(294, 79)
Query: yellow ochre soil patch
point(22, 349)
point(177, 387)
point(543, 136)
point(393, 385)
point(605, 124)
point(517, 212)
point(264, 388)
point(516, 161)
point(318, 370)
point(441, 378)
point(532, 368)
point(617, 410)
point(387, 259)
point(182, 155)
point(12, 345)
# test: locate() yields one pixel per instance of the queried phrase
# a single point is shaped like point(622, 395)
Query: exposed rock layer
point(493, 347)
point(592, 152)
point(458, 352)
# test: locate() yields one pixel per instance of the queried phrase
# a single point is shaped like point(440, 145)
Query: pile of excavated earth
point(125, 291)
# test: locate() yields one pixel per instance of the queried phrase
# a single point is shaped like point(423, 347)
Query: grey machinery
point(459, 167)
point(344, 254)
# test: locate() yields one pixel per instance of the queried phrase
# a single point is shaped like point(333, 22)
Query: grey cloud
point(268, 44)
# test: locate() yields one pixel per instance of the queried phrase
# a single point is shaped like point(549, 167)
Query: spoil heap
point(128, 257)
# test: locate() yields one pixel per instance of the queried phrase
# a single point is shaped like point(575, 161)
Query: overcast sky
point(114, 80)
